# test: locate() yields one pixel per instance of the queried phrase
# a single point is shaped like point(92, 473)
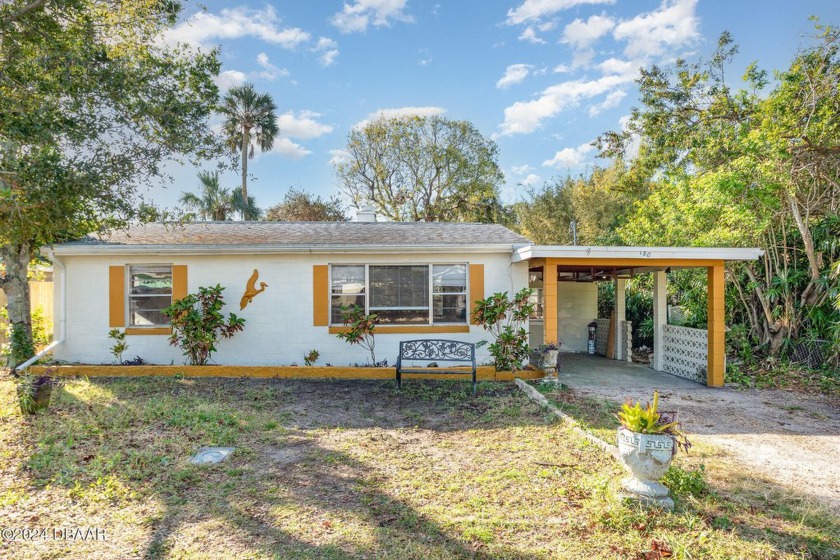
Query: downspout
point(62, 313)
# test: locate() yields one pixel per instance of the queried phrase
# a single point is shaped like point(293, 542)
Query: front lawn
point(355, 469)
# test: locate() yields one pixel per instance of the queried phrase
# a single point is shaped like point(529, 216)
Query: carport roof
point(634, 256)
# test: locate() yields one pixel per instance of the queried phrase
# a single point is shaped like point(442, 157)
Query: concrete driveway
point(789, 437)
point(583, 370)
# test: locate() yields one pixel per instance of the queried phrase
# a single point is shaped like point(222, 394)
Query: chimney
point(365, 214)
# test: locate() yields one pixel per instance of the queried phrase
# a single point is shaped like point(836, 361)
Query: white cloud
point(338, 156)
point(328, 58)
point(628, 68)
point(531, 36)
point(569, 157)
point(530, 180)
point(612, 100)
point(561, 69)
point(329, 50)
point(270, 71)
point(582, 58)
point(288, 149)
point(230, 78)
point(325, 43)
point(514, 74)
point(401, 112)
point(204, 28)
point(673, 24)
point(534, 10)
point(582, 34)
point(302, 126)
point(425, 57)
point(524, 117)
point(521, 169)
point(356, 17)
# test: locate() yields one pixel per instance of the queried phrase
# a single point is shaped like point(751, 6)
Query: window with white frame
point(149, 293)
point(401, 294)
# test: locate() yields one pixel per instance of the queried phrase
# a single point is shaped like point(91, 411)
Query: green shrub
point(504, 319)
point(19, 347)
point(360, 328)
point(120, 345)
point(198, 324)
point(686, 483)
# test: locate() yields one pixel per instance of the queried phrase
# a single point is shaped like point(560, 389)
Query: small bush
point(311, 358)
point(120, 345)
point(360, 329)
point(505, 319)
point(198, 324)
point(686, 483)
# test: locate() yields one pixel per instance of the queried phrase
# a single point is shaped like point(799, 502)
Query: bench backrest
point(437, 350)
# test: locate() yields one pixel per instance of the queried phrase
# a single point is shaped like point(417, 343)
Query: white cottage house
point(421, 278)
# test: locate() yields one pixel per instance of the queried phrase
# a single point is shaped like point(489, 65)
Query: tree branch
point(34, 5)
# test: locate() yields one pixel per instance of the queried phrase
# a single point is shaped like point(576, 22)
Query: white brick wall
point(279, 328)
point(577, 306)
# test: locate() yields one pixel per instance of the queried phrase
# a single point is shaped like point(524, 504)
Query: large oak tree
point(93, 104)
point(422, 169)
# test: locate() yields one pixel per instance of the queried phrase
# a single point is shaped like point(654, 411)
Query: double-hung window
point(414, 294)
point(149, 293)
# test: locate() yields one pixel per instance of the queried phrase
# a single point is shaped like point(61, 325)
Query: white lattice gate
point(685, 352)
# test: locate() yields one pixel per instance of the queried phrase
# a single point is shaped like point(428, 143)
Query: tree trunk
point(246, 141)
point(811, 293)
point(16, 286)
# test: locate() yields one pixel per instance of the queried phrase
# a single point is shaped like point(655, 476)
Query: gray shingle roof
point(308, 233)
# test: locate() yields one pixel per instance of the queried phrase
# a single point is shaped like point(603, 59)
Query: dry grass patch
point(347, 469)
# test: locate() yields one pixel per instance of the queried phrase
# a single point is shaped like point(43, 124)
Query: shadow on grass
point(127, 441)
point(754, 507)
point(292, 491)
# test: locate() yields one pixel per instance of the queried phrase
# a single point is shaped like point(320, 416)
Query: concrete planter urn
point(545, 357)
point(646, 457)
point(647, 441)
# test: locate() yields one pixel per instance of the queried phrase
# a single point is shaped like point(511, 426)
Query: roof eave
point(70, 249)
point(529, 252)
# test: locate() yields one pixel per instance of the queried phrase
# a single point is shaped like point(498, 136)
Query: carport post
point(550, 333)
point(620, 313)
point(660, 317)
point(715, 327)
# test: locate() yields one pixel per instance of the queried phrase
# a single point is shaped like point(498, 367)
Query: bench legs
point(474, 383)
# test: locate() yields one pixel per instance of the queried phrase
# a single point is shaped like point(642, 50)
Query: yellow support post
point(550, 303)
point(716, 327)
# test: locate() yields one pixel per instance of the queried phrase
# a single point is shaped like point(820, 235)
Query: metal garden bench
point(436, 350)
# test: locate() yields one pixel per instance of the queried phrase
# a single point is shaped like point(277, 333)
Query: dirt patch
point(791, 438)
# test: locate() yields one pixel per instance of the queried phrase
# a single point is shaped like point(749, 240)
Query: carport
point(697, 354)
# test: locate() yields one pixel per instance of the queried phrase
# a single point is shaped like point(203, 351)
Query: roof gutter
point(82, 250)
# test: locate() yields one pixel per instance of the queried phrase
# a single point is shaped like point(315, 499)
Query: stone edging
point(540, 399)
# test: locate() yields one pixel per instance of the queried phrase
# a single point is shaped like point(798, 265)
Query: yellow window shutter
point(116, 296)
point(321, 295)
point(179, 282)
point(476, 286)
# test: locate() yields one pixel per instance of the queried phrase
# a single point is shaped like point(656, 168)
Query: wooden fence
point(40, 295)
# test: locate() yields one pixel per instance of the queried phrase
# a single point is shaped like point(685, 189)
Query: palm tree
point(249, 120)
point(214, 202)
point(238, 203)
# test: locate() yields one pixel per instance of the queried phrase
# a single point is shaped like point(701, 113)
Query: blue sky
point(541, 77)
